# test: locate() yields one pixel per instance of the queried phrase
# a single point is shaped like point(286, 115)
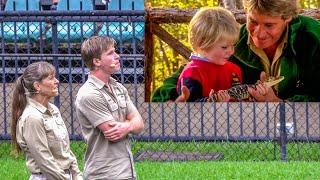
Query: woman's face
point(265, 31)
point(49, 86)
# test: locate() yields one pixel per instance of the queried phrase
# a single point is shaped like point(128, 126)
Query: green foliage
point(166, 59)
point(307, 4)
point(182, 4)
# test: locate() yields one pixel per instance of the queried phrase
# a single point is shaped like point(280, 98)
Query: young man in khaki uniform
point(106, 114)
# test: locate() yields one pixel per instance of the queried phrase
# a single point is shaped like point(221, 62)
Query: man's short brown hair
point(93, 47)
point(283, 8)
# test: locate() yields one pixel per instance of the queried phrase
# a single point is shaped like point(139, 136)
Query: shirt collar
point(195, 56)
point(33, 103)
point(98, 83)
point(268, 67)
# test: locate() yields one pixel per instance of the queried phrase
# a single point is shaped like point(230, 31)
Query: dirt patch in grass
point(177, 156)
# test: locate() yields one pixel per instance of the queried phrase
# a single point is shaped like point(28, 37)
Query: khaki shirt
point(43, 136)
point(96, 104)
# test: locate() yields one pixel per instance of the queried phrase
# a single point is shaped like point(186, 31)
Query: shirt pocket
point(122, 100)
point(61, 131)
point(111, 103)
point(62, 134)
point(49, 126)
point(52, 139)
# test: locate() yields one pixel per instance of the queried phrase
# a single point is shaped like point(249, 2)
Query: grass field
point(15, 169)
point(230, 167)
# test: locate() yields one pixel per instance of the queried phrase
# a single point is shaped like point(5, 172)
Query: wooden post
point(148, 49)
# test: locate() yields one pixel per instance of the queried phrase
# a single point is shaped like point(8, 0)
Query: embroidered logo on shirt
point(56, 115)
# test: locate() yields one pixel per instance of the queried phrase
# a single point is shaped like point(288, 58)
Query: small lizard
point(240, 92)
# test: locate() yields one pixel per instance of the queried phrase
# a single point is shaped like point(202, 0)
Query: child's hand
point(223, 96)
point(185, 93)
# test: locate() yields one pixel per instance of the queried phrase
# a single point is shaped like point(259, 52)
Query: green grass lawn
point(228, 170)
point(242, 160)
point(16, 169)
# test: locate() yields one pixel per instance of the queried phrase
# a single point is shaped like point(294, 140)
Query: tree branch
point(169, 39)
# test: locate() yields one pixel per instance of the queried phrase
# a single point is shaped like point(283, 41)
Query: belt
point(67, 171)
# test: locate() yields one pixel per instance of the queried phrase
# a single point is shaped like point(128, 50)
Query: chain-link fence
point(34, 30)
point(173, 131)
point(238, 131)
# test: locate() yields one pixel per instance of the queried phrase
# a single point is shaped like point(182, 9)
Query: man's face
point(110, 61)
point(265, 31)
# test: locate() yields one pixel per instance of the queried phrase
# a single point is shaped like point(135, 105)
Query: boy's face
point(220, 52)
point(109, 61)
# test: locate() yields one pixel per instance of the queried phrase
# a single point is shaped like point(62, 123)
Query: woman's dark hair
point(34, 72)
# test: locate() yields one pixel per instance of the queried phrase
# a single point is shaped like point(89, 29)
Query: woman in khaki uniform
point(37, 126)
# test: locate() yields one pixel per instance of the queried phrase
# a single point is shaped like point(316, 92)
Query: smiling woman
point(37, 127)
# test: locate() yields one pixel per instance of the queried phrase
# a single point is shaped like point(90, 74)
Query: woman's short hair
point(93, 47)
point(209, 25)
point(283, 8)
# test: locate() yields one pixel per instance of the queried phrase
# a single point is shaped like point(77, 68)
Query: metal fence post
point(55, 58)
point(283, 133)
